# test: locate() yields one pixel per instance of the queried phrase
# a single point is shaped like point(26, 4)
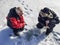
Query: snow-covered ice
point(31, 10)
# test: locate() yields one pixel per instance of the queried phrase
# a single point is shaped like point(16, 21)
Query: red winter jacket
point(17, 23)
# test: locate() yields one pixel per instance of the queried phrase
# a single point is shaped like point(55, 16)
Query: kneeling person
point(47, 18)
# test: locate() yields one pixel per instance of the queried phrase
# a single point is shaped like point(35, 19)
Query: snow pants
point(15, 31)
point(51, 26)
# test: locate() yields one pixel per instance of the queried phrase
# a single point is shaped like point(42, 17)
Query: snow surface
point(31, 10)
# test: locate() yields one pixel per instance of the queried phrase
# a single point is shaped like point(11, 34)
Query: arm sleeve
point(40, 19)
point(15, 23)
point(22, 23)
point(55, 18)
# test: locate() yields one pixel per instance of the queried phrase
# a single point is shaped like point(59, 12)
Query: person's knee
point(39, 26)
point(51, 25)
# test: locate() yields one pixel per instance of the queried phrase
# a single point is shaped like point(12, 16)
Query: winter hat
point(45, 10)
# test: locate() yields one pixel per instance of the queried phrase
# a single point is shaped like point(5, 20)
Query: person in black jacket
point(47, 18)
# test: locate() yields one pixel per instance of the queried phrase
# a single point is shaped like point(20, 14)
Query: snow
point(31, 10)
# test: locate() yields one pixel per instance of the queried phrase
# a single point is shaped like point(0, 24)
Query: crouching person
point(15, 20)
point(47, 18)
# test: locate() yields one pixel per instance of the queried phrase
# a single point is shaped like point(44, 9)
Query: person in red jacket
point(15, 20)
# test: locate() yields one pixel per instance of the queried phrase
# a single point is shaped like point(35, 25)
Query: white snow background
point(31, 10)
